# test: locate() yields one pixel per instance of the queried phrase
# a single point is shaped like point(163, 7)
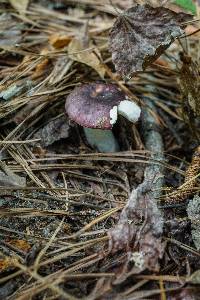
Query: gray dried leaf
point(139, 229)
point(141, 34)
point(189, 82)
point(54, 131)
point(10, 31)
point(8, 178)
point(193, 211)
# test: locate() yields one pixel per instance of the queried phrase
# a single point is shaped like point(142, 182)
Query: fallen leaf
point(24, 112)
point(139, 230)
point(86, 55)
point(20, 244)
point(189, 83)
point(193, 211)
point(191, 29)
point(141, 34)
point(61, 67)
point(184, 294)
point(10, 31)
point(40, 68)
point(19, 5)
point(8, 178)
point(59, 41)
point(5, 263)
point(194, 278)
point(55, 130)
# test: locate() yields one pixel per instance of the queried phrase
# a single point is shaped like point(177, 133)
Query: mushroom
point(96, 106)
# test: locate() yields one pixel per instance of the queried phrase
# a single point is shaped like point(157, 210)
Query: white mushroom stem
point(102, 140)
point(130, 110)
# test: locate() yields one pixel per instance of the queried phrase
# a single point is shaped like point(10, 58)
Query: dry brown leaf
point(19, 5)
point(40, 68)
point(59, 41)
point(6, 262)
point(42, 65)
point(141, 34)
point(88, 56)
point(20, 244)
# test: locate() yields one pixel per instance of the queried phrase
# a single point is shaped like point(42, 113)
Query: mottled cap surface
point(89, 105)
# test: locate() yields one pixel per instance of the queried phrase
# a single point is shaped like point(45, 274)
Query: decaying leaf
point(86, 55)
point(139, 229)
point(6, 263)
point(55, 130)
point(141, 34)
point(10, 31)
point(22, 114)
point(20, 5)
point(193, 211)
point(189, 82)
point(40, 68)
point(8, 178)
point(194, 278)
point(61, 67)
point(59, 40)
point(184, 294)
point(20, 244)
point(42, 65)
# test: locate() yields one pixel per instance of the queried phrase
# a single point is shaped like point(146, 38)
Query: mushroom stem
point(130, 110)
point(102, 140)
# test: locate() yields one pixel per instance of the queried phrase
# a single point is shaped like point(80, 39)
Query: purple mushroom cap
point(89, 105)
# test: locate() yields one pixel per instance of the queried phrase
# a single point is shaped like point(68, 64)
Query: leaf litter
point(76, 224)
point(135, 44)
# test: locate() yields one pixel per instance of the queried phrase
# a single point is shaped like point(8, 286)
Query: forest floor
point(75, 223)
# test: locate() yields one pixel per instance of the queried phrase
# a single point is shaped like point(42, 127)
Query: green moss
point(186, 4)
